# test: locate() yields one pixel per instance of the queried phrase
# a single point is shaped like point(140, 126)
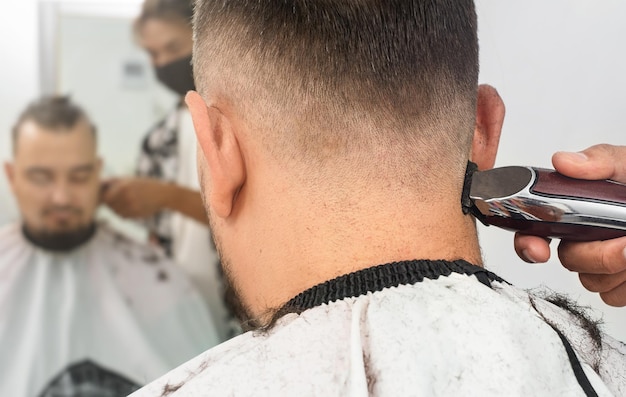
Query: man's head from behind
point(323, 80)
point(55, 173)
point(341, 112)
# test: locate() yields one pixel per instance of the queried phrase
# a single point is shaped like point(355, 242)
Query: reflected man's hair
point(54, 113)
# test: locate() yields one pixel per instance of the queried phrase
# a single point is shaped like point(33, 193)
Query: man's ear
point(99, 166)
point(9, 171)
point(489, 119)
point(217, 140)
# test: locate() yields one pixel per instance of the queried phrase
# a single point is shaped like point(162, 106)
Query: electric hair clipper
point(542, 202)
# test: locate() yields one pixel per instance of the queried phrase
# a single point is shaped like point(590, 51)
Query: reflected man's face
point(55, 178)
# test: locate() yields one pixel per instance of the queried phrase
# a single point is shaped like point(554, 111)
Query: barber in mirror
point(165, 192)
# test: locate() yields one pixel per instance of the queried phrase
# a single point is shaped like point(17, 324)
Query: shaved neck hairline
point(230, 78)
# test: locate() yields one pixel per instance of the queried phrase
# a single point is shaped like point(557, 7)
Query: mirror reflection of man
point(55, 178)
point(81, 306)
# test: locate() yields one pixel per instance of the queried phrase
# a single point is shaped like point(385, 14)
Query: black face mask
point(177, 75)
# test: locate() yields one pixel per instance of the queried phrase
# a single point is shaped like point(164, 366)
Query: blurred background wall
point(559, 66)
point(19, 78)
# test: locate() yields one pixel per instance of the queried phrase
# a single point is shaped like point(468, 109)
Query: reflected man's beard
point(60, 241)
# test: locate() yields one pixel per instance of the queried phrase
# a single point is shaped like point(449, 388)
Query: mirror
point(103, 318)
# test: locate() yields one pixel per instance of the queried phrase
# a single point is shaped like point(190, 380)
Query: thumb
point(596, 162)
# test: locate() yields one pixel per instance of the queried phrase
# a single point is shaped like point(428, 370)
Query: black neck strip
point(385, 276)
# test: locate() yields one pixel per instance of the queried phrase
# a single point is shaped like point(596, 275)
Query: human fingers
point(104, 187)
point(595, 257)
point(616, 296)
point(532, 249)
point(111, 190)
point(602, 282)
point(597, 162)
point(109, 181)
point(119, 197)
point(611, 287)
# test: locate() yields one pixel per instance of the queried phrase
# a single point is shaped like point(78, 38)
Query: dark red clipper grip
point(545, 203)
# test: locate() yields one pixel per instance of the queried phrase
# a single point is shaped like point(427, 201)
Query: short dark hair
point(53, 113)
point(411, 66)
point(171, 10)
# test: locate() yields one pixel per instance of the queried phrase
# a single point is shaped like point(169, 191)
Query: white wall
point(559, 66)
point(19, 81)
point(93, 53)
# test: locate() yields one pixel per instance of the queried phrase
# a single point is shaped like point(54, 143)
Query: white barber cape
point(415, 328)
point(99, 321)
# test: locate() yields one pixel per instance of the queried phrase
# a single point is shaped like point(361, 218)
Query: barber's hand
point(601, 264)
point(134, 197)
